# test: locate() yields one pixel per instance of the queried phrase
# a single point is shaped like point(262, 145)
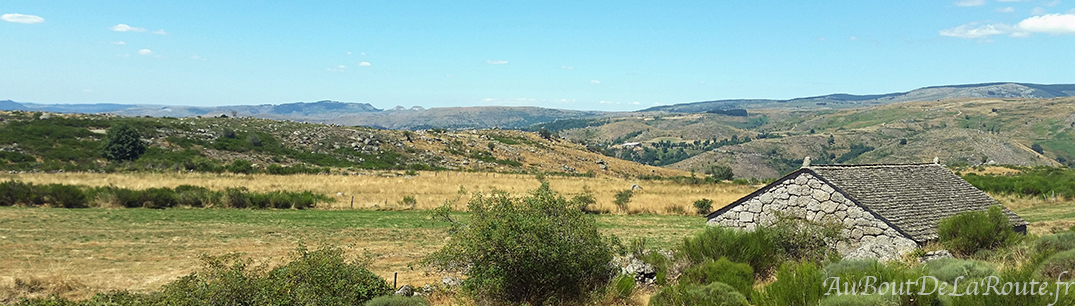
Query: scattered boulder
point(935, 255)
point(406, 290)
point(636, 187)
point(643, 272)
point(449, 281)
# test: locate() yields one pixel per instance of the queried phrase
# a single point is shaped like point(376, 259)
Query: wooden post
point(395, 275)
point(352, 202)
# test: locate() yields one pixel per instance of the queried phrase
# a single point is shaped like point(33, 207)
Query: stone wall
point(807, 197)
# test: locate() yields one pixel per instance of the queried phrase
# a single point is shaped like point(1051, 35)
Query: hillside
point(769, 143)
point(55, 142)
point(836, 101)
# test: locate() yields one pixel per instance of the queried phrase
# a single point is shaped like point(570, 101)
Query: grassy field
point(76, 252)
point(385, 190)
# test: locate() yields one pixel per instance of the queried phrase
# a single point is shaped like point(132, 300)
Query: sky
point(588, 55)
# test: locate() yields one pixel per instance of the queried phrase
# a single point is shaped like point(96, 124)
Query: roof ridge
point(873, 165)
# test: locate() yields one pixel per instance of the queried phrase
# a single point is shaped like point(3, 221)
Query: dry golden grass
point(431, 189)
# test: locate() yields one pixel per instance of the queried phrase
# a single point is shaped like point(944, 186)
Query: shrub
point(622, 198)
point(1057, 264)
point(194, 196)
point(15, 192)
point(756, 248)
point(241, 166)
point(623, 286)
point(948, 269)
point(739, 276)
point(968, 232)
point(159, 197)
point(319, 277)
point(797, 284)
point(64, 196)
point(800, 240)
point(715, 294)
point(235, 197)
point(1056, 242)
point(123, 142)
point(720, 172)
point(396, 300)
point(837, 274)
point(704, 206)
point(535, 249)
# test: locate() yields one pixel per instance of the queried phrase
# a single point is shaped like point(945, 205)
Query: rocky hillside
point(770, 143)
point(54, 142)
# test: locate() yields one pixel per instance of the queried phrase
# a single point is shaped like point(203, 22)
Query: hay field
point(77, 252)
point(385, 190)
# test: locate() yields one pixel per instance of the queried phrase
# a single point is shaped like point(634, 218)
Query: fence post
point(352, 202)
point(395, 275)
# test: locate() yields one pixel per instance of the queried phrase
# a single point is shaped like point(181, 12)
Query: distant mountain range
point(985, 90)
point(364, 114)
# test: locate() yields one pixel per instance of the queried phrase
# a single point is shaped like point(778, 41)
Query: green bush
point(1057, 264)
point(123, 142)
point(800, 240)
point(159, 198)
point(714, 294)
point(797, 284)
point(15, 193)
point(235, 197)
point(194, 196)
point(536, 249)
point(967, 233)
point(721, 172)
point(622, 199)
point(1056, 242)
point(948, 269)
point(65, 196)
point(241, 166)
point(757, 248)
point(396, 300)
point(739, 276)
point(840, 272)
point(623, 286)
point(704, 206)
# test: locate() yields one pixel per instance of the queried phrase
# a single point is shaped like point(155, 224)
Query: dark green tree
point(123, 142)
point(1037, 148)
point(720, 172)
point(545, 133)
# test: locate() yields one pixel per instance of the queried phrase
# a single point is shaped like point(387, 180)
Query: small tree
point(537, 249)
point(123, 142)
point(1037, 148)
point(622, 198)
point(703, 206)
point(720, 172)
point(545, 133)
point(832, 140)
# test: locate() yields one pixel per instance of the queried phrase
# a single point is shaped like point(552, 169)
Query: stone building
point(886, 210)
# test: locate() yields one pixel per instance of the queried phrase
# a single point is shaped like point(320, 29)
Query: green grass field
point(92, 250)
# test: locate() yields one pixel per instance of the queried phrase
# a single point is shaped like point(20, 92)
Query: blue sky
point(614, 55)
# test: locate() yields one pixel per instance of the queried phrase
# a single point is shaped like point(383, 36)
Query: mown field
point(77, 252)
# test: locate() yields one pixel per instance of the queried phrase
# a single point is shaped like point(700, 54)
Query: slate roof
point(913, 198)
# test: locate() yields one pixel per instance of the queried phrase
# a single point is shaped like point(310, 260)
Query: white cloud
point(1038, 11)
point(197, 58)
point(363, 53)
point(348, 52)
point(119, 43)
point(1006, 10)
point(160, 32)
point(853, 38)
point(20, 18)
point(126, 28)
point(1052, 24)
point(145, 52)
point(636, 103)
point(341, 67)
point(972, 30)
point(1051, 3)
point(970, 2)
point(595, 82)
point(1012, 0)
point(365, 64)
point(496, 62)
point(567, 67)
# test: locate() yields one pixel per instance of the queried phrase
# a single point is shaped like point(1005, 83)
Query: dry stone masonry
point(807, 197)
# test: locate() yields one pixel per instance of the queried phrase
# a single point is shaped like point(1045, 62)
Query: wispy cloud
point(119, 43)
point(970, 2)
point(595, 82)
point(496, 62)
point(126, 28)
point(853, 38)
point(160, 32)
point(1012, 0)
point(1038, 11)
point(1051, 3)
point(365, 64)
point(1006, 10)
point(197, 58)
point(20, 18)
point(567, 67)
point(145, 52)
point(1050, 24)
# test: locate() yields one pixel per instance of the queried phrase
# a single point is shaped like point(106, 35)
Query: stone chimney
point(806, 162)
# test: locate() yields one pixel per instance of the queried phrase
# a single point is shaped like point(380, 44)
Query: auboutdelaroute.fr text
point(928, 285)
